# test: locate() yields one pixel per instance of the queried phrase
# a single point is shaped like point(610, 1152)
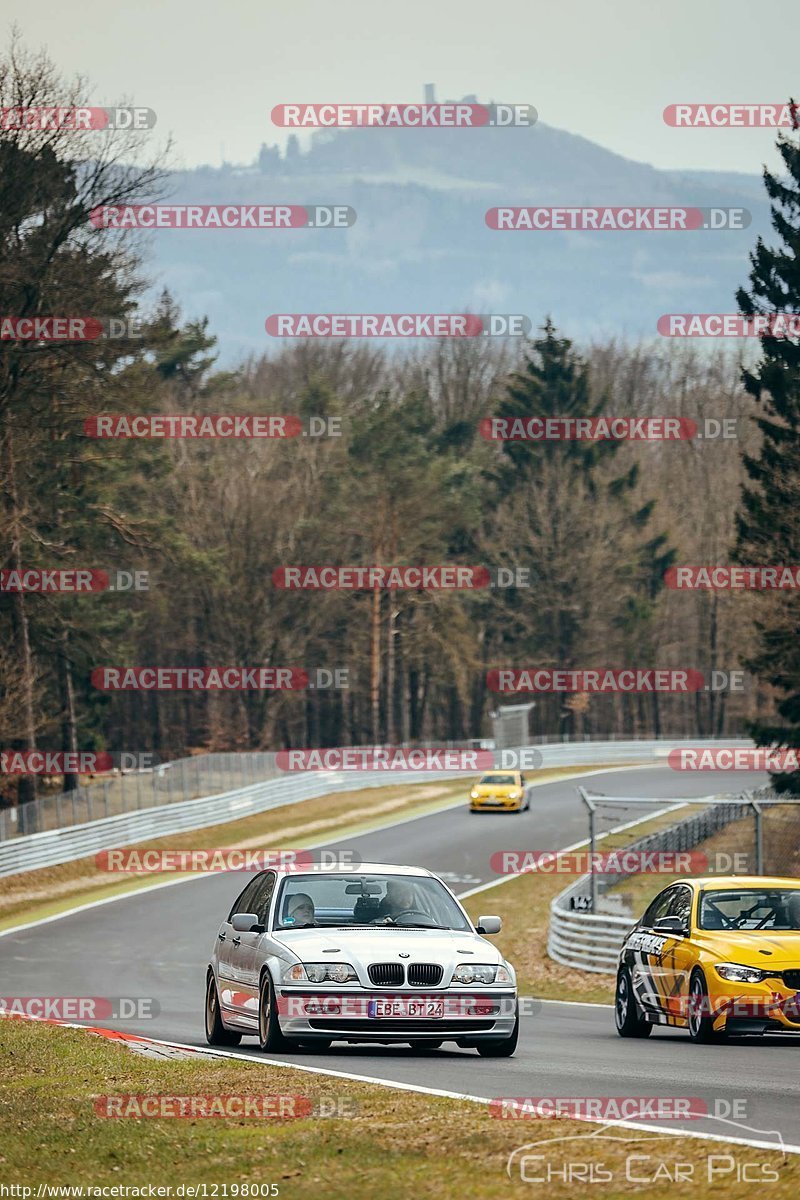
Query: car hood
point(753, 948)
point(498, 789)
point(386, 944)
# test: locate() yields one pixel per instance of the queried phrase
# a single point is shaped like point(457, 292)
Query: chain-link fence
point(213, 774)
point(752, 833)
point(111, 795)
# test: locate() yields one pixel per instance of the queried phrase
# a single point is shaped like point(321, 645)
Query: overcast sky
point(213, 70)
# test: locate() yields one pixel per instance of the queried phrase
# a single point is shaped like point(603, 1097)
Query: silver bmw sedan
point(382, 954)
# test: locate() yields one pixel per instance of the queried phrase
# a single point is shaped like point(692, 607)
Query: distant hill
point(420, 243)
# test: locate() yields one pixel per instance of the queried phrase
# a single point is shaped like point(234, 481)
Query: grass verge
point(393, 1145)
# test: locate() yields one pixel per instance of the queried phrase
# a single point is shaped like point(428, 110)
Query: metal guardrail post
point(592, 807)
point(758, 812)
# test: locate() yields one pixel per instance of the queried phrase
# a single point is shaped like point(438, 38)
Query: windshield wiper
point(416, 925)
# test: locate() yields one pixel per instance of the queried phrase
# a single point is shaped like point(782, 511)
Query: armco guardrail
point(588, 941)
point(592, 941)
point(53, 846)
point(212, 774)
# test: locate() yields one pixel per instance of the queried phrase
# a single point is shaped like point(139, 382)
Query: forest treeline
point(408, 479)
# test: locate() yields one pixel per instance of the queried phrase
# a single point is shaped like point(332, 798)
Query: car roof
point(367, 868)
point(744, 881)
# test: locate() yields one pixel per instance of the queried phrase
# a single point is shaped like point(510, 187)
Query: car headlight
point(474, 794)
point(480, 973)
point(325, 972)
point(737, 973)
point(515, 795)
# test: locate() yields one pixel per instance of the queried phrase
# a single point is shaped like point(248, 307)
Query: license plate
point(432, 1009)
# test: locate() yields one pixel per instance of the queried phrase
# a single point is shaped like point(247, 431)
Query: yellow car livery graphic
point(500, 791)
point(717, 956)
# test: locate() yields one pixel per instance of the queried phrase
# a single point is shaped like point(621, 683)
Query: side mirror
point(246, 923)
point(673, 925)
point(489, 924)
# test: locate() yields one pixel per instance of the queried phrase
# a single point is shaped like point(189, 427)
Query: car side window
point(681, 905)
point(262, 896)
point(660, 907)
point(244, 899)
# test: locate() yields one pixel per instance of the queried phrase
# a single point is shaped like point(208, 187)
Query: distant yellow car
point(500, 791)
point(714, 956)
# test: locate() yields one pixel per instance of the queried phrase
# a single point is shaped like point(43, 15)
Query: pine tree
point(769, 515)
point(577, 497)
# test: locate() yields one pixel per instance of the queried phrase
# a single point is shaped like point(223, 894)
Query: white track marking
point(420, 1089)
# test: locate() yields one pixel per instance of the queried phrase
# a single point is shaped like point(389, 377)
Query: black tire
point(627, 1018)
point(216, 1033)
point(270, 1038)
point(501, 1047)
point(701, 1023)
point(421, 1047)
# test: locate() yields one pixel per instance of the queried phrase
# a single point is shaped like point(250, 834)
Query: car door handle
point(221, 937)
point(237, 941)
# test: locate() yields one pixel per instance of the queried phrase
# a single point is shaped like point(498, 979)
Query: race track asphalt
point(157, 943)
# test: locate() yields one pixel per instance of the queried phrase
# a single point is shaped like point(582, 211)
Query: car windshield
point(751, 908)
point(383, 900)
point(502, 780)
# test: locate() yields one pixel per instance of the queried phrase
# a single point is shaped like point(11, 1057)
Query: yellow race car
point(500, 791)
point(717, 956)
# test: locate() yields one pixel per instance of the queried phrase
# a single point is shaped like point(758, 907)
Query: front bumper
point(764, 1007)
point(306, 1013)
point(496, 804)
